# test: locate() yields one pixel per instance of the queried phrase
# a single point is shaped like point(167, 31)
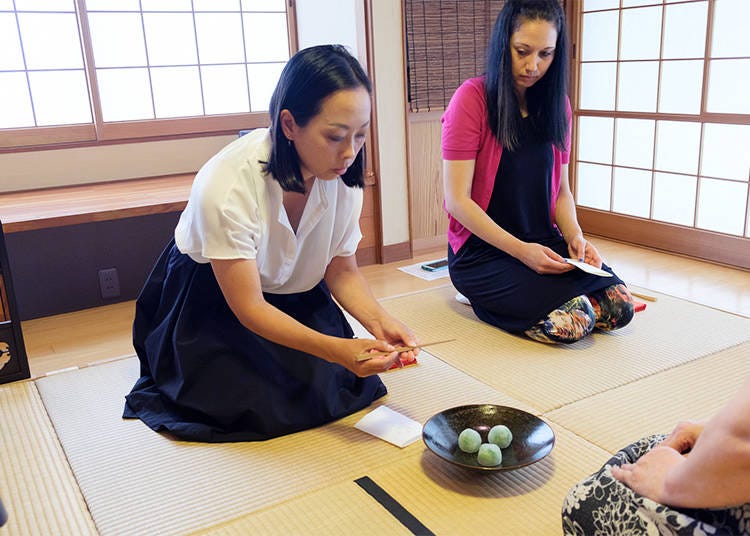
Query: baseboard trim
point(397, 252)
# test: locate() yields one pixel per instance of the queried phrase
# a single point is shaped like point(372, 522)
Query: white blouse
point(235, 211)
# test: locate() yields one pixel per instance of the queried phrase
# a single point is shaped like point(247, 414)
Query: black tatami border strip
point(393, 506)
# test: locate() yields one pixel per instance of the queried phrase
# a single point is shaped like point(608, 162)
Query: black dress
point(205, 377)
point(502, 290)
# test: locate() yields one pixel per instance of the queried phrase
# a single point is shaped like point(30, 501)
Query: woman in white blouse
point(237, 333)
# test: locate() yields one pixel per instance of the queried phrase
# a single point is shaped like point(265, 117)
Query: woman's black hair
point(545, 100)
point(308, 78)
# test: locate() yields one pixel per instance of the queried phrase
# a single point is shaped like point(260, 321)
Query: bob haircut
point(308, 78)
point(545, 100)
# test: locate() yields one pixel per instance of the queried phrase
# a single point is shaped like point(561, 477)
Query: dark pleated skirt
point(205, 377)
point(506, 293)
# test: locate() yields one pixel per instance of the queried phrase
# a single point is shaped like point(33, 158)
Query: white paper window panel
point(638, 86)
point(685, 30)
point(11, 58)
point(125, 94)
point(219, 38)
point(225, 89)
point(590, 5)
point(45, 5)
point(262, 31)
point(674, 198)
point(594, 186)
point(725, 151)
point(6, 5)
point(598, 84)
point(681, 87)
point(113, 5)
point(216, 5)
point(109, 32)
point(728, 83)
point(177, 91)
point(730, 30)
point(721, 206)
point(595, 137)
point(166, 5)
point(633, 3)
point(263, 5)
point(15, 102)
point(634, 142)
point(677, 146)
point(60, 97)
point(640, 37)
point(170, 39)
point(262, 78)
point(599, 35)
point(50, 40)
point(632, 192)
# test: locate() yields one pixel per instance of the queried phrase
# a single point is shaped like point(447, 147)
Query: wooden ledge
point(69, 205)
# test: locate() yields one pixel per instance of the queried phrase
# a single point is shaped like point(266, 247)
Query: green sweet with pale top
point(469, 440)
point(500, 435)
point(489, 455)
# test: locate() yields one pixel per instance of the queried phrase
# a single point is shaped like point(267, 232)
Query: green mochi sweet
point(489, 455)
point(500, 435)
point(469, 440)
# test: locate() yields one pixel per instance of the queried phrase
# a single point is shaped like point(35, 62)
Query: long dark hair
point(308, 78)
point(545, 100)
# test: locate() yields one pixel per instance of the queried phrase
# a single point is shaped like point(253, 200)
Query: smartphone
point(435, 265)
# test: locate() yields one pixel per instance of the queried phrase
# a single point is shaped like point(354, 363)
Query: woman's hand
point(397, 334)
point(542, 259)
point(683, 436)
point(345, 351)
point(648, 475)
point(581, 249)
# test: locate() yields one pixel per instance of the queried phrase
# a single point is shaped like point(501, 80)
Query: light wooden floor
point(102, 333)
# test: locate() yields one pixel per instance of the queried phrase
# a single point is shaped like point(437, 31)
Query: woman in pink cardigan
point(512, 218)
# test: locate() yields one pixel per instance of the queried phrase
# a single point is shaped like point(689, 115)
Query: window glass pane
point(125, 94)
point(263, 78)
point(50, 40)
point(108, 33)
point(10, 46)
point(166, 5)
point(685, 30)
point(216, 5)
point(729, 37)
point(113, 5)
point(15, 102)
point(170, 38)
point(600, 36)
point(219, 38)
point(721, 206)
point(263, 5)
point(674, 198)
point(594, 183)
point(681, 87)
point(595, 136)
point(45, 5)
point(641, 33)
point(598, 86)
point(177, 91)
point(590, 5)
point(261, 37)
point(677, 146)
point(632, 194)
point(725, 153)
point(634, 144)
point(637, 88)
point(225, 89)
point(728, 83)
point(60, 97)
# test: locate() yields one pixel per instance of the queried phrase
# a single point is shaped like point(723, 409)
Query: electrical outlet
point(109, 283)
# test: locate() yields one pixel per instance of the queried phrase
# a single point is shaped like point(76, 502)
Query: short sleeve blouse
point(235, 211)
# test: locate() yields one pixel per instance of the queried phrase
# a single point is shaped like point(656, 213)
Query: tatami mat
point(668, 333)
point(37, 486)
point(139, 482)
point(655, 404)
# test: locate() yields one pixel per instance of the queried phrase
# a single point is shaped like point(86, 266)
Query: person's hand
point(683, 436)
point(345, 351)
point(647, 476)
point(542, 259)
point(397, 334)
point(581, 249)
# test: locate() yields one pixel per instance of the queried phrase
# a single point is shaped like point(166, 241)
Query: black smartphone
point(435, 265)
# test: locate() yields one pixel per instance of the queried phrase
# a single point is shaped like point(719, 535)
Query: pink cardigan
point(467, 136)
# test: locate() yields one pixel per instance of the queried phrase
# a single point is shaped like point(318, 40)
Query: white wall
point(321, 22)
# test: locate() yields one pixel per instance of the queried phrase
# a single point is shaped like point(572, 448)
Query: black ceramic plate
point(533, 438)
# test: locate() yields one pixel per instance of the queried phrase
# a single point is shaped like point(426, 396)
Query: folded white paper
point(390, 426)
point(416, 270)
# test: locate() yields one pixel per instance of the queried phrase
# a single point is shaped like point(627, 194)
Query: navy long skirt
point(205, 377)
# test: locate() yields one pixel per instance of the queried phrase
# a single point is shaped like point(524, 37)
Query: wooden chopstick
point(642, 296)
point(369, 355)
